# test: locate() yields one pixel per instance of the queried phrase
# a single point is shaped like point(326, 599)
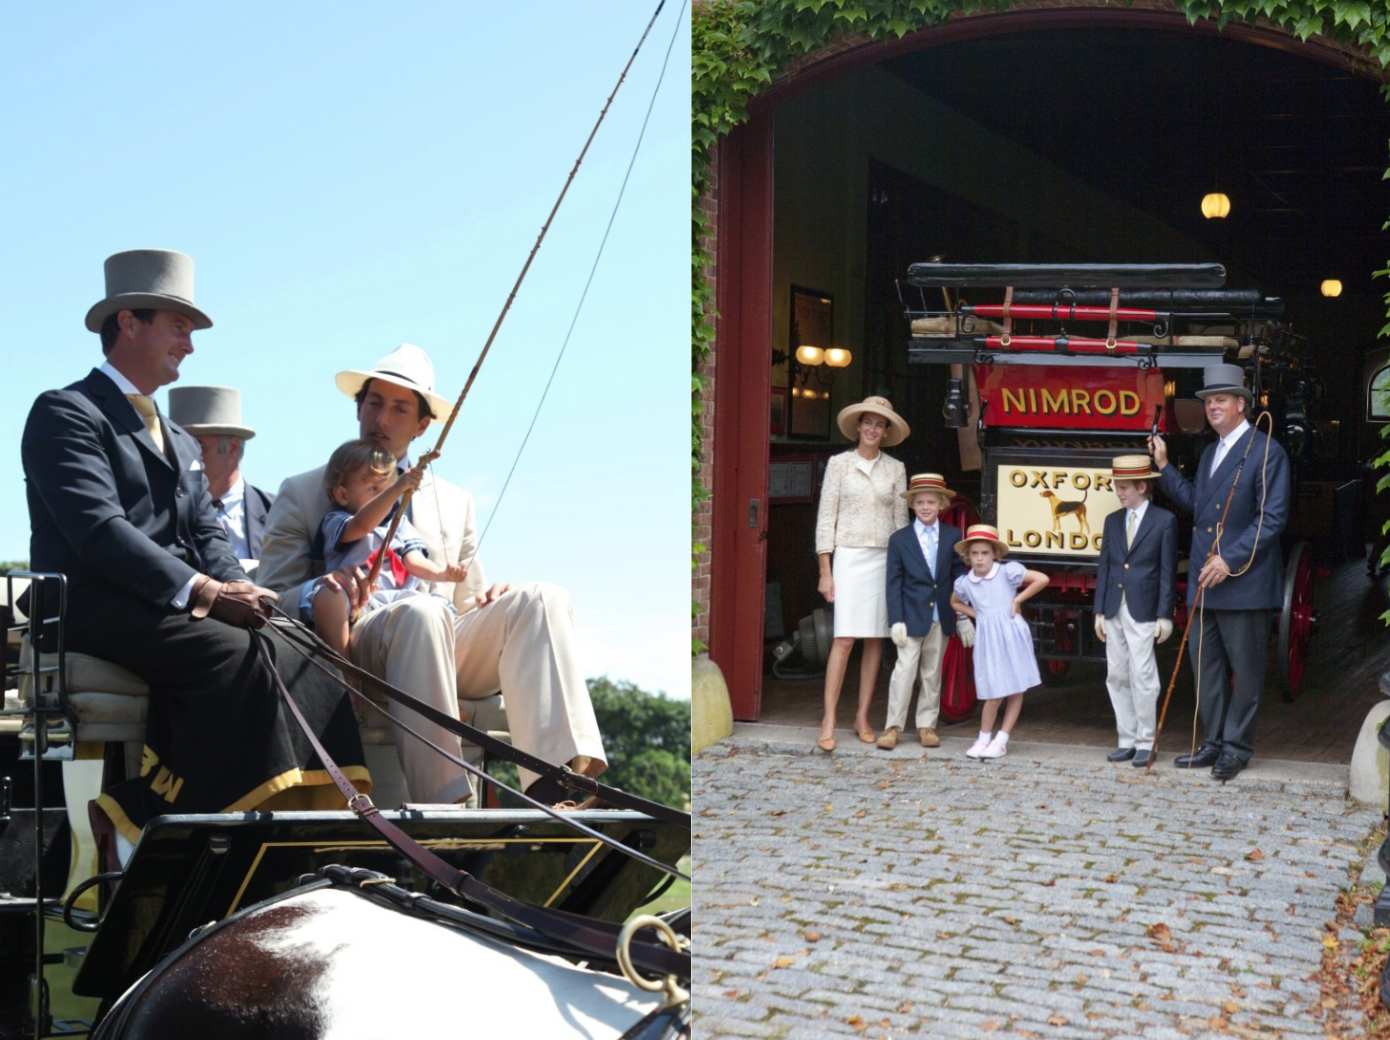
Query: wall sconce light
point(809, 355)
point(838, 357)
point(1331, 287)
point(1215, 206)
point(817, 362)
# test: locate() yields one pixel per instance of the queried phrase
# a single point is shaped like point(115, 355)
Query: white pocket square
point(195, 466)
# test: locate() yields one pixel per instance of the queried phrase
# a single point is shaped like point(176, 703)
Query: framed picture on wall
point(779, 409)
point(812, 325)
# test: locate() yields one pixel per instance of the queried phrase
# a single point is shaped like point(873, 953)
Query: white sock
point(984, 736)
point(1002, 737)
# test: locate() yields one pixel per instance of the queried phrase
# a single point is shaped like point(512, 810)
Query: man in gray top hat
point(117, 503)
point(1239, 501)
point(213, 415)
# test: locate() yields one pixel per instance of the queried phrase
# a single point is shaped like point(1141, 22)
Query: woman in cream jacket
point(860, 506)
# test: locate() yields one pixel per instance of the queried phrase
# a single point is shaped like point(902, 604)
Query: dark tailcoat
point(257, 505)
point(1146, 573)
point(1262, 491)
point(911, 586)
point(129, 526)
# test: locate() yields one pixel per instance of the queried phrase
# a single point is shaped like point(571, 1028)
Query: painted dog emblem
point(1061, 507)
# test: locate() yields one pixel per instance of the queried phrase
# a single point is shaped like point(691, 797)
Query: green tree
point(13, 565)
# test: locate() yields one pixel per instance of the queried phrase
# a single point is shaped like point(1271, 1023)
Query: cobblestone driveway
point(1044, 895)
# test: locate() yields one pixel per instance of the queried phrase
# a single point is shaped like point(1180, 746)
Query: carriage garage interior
point(1087, 145)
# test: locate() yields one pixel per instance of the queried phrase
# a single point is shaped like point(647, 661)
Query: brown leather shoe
point(889, 740)
point(928, 737)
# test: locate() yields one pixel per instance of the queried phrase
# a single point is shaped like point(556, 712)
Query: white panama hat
point(406, 366)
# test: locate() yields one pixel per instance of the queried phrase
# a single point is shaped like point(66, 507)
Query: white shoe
point(995, 749)
point(977, 749)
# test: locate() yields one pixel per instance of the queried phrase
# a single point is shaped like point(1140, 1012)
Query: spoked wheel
point(1296, 620)
point(957, 682)
point(1064, 642)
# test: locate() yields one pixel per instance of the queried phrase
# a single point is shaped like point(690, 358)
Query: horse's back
point(328, 964)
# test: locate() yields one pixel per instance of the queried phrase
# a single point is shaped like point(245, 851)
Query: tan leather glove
point(1100, 627)
point(899, 634)
point(236, 603)
point(1163, 628)
point(965, 630)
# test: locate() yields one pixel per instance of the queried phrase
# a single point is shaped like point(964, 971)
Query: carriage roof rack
point(1082, 276)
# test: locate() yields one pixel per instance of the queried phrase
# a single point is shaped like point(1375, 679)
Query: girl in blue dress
point(992, 594)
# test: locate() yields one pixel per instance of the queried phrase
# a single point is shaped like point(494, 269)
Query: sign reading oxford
point(1058, 510)
point(1081, 398)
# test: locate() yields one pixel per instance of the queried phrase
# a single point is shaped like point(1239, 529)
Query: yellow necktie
point(1129, 530)
point(150, 415)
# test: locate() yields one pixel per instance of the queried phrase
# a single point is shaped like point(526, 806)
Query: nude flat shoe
point(826, 743)
point(868, 736)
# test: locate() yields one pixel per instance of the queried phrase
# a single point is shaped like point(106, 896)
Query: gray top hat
point(208, 410)
point(1224, 379)
point(156, 278)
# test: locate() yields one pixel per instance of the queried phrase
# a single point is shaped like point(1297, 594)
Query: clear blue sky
point(348, 176)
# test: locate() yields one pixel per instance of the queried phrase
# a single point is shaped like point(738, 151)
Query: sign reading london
point(1055, 509)
point(1081, 398)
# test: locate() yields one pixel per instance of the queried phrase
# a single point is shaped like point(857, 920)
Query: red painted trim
point(742, 391)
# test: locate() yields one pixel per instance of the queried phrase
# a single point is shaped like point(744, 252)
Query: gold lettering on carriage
point(1032, 400)
point(164, 782)
point(1056, 511)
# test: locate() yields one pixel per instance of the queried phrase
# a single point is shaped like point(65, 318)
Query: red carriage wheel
point(957, 682)
point(1296, 620)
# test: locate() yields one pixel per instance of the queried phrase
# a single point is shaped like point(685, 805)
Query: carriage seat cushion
point(945, 325)
point(110, 702)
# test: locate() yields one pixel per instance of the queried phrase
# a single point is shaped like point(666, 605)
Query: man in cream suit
point(519, 639)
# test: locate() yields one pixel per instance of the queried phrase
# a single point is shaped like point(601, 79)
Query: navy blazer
point(256, 505)
point(1146, 573)
point(1257, 495)
point(911, 587)
point(106, 505)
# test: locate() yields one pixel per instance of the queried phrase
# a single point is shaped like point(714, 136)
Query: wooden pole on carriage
point(506, 306)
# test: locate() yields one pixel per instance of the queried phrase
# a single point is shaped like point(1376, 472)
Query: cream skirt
point(861, 601)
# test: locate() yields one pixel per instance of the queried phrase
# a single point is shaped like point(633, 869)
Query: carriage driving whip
point(472, 375)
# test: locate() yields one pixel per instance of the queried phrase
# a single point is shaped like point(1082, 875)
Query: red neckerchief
point(397, 565)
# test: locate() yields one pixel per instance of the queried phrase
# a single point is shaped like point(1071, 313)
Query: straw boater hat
point(849, 419)
point(212, 410)
point(982, 533)
point(1133, 467)
point(927, 482)
point(1224, 379)
point(160, 279)
point(406, 366)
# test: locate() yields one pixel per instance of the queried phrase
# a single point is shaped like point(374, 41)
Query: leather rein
point(589, 935)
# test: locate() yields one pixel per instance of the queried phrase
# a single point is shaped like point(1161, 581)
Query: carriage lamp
point(1331, 287)
point(955, 411)
point(1215, 206)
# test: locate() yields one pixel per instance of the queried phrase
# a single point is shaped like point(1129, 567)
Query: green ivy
point(740, 46)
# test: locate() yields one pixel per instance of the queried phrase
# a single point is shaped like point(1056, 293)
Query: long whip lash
point(424, 459)
point(1199, 606)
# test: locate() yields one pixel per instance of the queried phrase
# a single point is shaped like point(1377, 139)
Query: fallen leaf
point(784, 962)
point(731, 993)
point(1329, 1003)
point(1254, 854)
point(1057, 1020)
point(812, 936)
point(989, 1025)
point(778, 812)
point(883, 785)
point(1011, 920)
point(905, 1008)
point(1230, 1007)
point(861, 814)
point(1110, 879)
point(1330, 942)
point(885, 1023)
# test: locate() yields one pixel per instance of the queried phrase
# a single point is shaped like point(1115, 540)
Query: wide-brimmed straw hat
point(982, 533)
point(1133, 467)
point(406, 366)
point(927, 482)
point(159, 279)
point(1224, 379)
point(211, 410)
point(898, 429)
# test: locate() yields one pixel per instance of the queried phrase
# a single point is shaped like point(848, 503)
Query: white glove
point(966, 631)
point(1100, 627)
point(1163, 629)
point(899, 634)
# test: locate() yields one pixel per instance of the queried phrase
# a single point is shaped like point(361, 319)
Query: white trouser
point(1132, 677)
point(920, 659)
point(522, 644)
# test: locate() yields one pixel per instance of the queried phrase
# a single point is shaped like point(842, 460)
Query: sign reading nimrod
point(1054, 508)
point(1069, 398)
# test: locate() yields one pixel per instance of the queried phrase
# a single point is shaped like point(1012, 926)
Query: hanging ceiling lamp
point(1215, 206)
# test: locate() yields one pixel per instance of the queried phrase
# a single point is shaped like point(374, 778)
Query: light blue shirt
point(927, 538)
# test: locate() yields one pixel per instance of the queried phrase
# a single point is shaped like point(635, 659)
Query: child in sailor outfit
point(358, 480)
point(992, 594)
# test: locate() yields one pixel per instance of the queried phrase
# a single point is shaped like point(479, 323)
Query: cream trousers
point(920, 659)
point(522, 644)
point(1132, 678)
